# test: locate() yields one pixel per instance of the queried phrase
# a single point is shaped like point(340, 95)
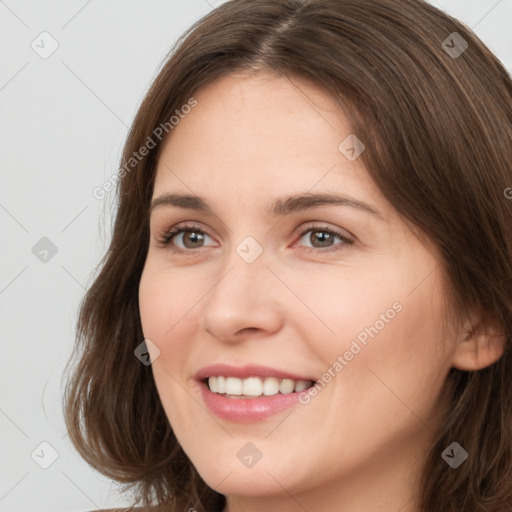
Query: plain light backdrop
point(72, 75)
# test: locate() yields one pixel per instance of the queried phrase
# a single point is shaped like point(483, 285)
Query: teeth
point(233, 386)
point(255, 386)
point(286, 386)
point(251, 386)
point(213, 382)
point(270, 386)
point(221, 384)
point(301, 385)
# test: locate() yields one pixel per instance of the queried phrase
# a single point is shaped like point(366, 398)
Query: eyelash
point(166, 237)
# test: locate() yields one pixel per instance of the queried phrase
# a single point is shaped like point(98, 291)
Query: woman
point(306, 303)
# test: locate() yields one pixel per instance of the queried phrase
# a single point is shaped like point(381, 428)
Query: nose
point(243, 302)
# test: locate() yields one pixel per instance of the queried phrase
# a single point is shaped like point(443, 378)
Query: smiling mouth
point(254, 387)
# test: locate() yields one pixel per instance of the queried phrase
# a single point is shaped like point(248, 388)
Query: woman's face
point(293, 263)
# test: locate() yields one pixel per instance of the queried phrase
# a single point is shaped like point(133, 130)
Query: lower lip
point(247, 410)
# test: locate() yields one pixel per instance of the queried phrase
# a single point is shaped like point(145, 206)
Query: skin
point(361, 441)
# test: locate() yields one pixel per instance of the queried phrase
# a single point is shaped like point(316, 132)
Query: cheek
point(153, 301)
point(341, 294)
point(163, 312)
point(398, 374)
point(169, 304)
point(165, 302)
point(389, 356)
point(348, 306)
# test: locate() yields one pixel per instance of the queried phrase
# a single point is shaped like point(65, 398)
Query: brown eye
point(192, 239)
point(185, 238)
point(323, 239)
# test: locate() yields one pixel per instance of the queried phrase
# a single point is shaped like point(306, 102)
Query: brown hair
point(438, 134)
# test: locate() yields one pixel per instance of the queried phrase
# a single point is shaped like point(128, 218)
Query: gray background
point(64, 119)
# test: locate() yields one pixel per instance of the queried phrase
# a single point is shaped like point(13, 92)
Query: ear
point(481, 343)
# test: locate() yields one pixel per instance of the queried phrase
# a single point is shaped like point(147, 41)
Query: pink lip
point(243, 372)
point(247, 410)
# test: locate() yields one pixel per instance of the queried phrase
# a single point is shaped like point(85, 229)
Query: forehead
point(260, 132)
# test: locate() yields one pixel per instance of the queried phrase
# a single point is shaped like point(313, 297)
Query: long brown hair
point(436, 119)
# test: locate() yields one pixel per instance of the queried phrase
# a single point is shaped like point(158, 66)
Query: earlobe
point(479, 346)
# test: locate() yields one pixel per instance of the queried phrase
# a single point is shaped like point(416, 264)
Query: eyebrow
point(279, 207)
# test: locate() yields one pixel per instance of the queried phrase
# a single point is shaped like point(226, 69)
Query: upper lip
point(243, 372)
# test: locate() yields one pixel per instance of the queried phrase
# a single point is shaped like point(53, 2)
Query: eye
point(324, 239)
point(184, 238)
